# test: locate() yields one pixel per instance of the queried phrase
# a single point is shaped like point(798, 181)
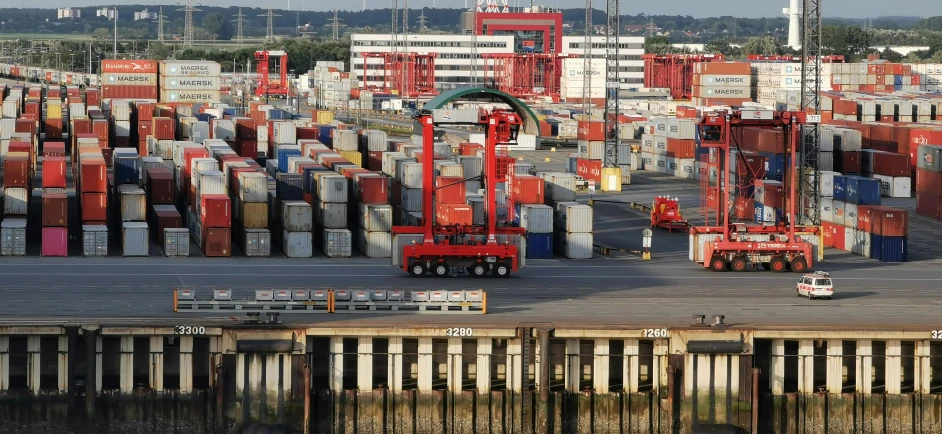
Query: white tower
point(793, 12)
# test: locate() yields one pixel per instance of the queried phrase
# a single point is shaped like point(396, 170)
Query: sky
point(696, 8)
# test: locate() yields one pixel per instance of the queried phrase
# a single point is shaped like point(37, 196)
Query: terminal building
point(535, 32)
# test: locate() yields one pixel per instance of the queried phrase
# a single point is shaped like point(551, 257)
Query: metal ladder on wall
point(526, 401)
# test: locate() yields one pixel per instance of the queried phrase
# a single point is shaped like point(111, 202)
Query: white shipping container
point(827, 209)
point(826, 183)
point(189, 68)
point(337, 243)
point(725, 92)
point(224, 129)
point(190, 96)
point(374, 244)
point(573, 217)
point(850, 215)
point(574, 245)
point(399, 242)
point(660, 145)
point(712, 80)
point(900, 186)
point(411, 175)
point(191, 83)
point(684, 129)
point(121, 112)
point(294, 162)
point(591, 150)
point(253, 187)
point(332, 188)
point(212, 182)
point(297, 244)
point(135, 239)
point(13, 237)
point(537, 219)
point(345, 140)
point(199, 131)
point(330, 215)
point(559, 187)
point(375, 217)
point(122, 128)
point(471, 165)
point(133, 204)
point(698, 244)
point(686, 168)
point(448, 168)
point(284, 133)
point(129, 80)
point(15, 201)
point(95, 240)
point(375, 140)
point(297, 216)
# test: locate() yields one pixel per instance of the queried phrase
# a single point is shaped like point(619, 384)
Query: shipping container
point(375, 218)
point(889, 248)
point(189, 68)
point(297, 244)
point(53, 175)
point(330, 215)
point(135, 239)
point(296, 216)
point(539, 246)
point(94, 240)
point(188, 83)
point(371, 188)
point(13, 237)
point(215, 211)
point(373, 244)
point(55, 241)
point(175, 241)
point(189, 96)
point(253, 215)
point(16, 171)
point(15, 201)
point(560, 187)
point(862, 191)
point(256, 243)
point(574, 245)
point(332, 188)
point(573, 217)
point(55, 209)
point(128, 66)
point(535, 218)
point(129, 92)
point(253, 187)
point(160, 188)
point(337, 243)
point(216, 242)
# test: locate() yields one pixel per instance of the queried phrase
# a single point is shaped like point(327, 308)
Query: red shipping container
point(590, 130)
point(836, 235)
point(469, 149)
point(763, 140)
point(929, 205)
point(745, 209)
point(827, 234)
point(92, 97)
point(164, 128)
point(54, 172)
point(129, 66)
point(100, 128)
point(54, 149)
point(144, 129)
point(26, 126)
point(246, 129)
point(18, 146)
point(928, 181)
point(306, 133)
point(160, 190)
point(145, 111)
point(373, 189)
point(450, 189)
point(53, 129)
point(94, 207)
point(94, 176)
point(188, 155)
point(215, 211)
point(163, 219)
point(247, 148)
point(31, 108)
point(55, 209)
point(889, 164)
point(687, 112)
point(751, 167)
point(129, 92)
point(590, 170)
point(527, 189)
point(887, 221)
point(680, 148)
point(352, 172)
point(847, 162)
point(451, 214)
point(374, 160)
point(80, 126)
point(216, 242)
point(55, 241)
point(865, 218)
point(774, 195)
point(107, 154)
point(16, 172)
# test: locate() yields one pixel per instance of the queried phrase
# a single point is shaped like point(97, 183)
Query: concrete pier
point(421, 380)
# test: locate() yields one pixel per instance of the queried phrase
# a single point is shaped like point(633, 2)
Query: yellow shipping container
point(324, 117)
point(254, 215)
point(354, 157)
point(53, 110)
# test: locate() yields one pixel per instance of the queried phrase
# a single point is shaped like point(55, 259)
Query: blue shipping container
point(897, 80)
point(277, 114)
point(283, 154)
point(325, 136)
point(204, 117)
point(775, 164)
point(889, 249)
point(759, 209)
point(540, 246)
point(286, 188)
point(308, 181)
point(229, 111)
point(126, 170)
point(862, 191)
point(840, 188)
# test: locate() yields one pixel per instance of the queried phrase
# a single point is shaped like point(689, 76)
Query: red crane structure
point(411, 74)
point(525, 75)
point(674, 71)
point(741, 247)
point(272, 73)
point(458, 252)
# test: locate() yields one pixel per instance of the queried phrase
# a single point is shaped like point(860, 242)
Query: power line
point(160, 24)
point(270, 31)
point(240, 18)
point(336, 25)
point(188, 22)
point(423, 22)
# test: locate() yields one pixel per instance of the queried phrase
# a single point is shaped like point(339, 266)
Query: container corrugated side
point(411, 175)
point(399, 242)
point(253, 187)
point(560, 187)
point(375, 217)
point(297, 244)
point(133, 205)
point(337, 243)
point(95, 240)
point(573, 217)
point(15, 201)
point(698, 244)
point(176, 242)
point(297, 216)
point(332, 188)
point(374, 244)
point(13, 237)
point(135, 239)
point(574, 245)
point(330, 215)
point(536, 218)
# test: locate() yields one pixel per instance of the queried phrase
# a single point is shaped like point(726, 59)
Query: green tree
point(657, 45)
point(765, 45)
point(101, 33)
point(723, 47)
point(215, 23)
point(846, 40)
point(891, 56)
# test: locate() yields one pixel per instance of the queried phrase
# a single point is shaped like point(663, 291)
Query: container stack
point(296, 219)
point(250, 190)
point(778, 85)
point(846, 145)
point(769, 200)
point(654, 156)
point(573, 79)
point(722, 83)
point(527, 193)
point(840, 215)
point(128, 79)
point(53, 123)
point(591, 140)
point(55, 201)
point(332, 202)
point(374, 216)
point(929, 181)
point(573, 230)
point(16, 194)
point(346, 143)
point(891, 169)
point(190, 81)
point(131, 203)
point(213, 208)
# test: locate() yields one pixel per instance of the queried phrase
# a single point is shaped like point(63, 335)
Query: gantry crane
point(272, 73)
point(456, 253)
point(781, 250)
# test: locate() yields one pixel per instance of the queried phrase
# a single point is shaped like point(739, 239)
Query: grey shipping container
point(296, 216)
point(135, 239)
point(176, 242)
point(297, 245)
point(13, 237)
point(375, 217)
point(337, 243)
point(256, 243)
point(399, 242)
point(374, 244)
point(328, 215)
point(95, 240)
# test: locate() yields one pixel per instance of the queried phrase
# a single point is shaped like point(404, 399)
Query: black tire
point(417, 269)
point(778, 265)
point(799, 265)
point(739, 264)
point(718, 264)
point(478, 270)
point(440, 269)
point(501, 269)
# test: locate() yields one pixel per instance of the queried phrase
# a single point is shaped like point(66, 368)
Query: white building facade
point(66, 13)
point(454, 64)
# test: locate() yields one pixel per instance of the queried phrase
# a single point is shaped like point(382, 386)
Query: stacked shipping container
point(929, 181)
